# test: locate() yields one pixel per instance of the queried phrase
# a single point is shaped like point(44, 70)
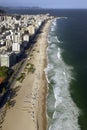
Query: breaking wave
point(62, 111)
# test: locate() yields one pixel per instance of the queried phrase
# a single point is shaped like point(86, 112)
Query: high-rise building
point(16, 47)
point(7, 59)
point(16, 38)
point(26, 37)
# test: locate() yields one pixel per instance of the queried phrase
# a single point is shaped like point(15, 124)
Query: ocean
point(66, 69)
point(67, 72)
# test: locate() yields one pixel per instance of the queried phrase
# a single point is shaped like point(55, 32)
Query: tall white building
point(7, 59)
point(16, 47)
point(16, 38)
point(26, 37)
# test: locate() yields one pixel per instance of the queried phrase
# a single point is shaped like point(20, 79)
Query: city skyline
point(45, 3)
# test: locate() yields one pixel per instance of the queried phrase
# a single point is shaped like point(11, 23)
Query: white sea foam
point(54, 23)
point(65, 112)
point(48, 41)
point(58, 54)
point(46, 76)
point(64, 73)
point(52, 29)
point(57, 39)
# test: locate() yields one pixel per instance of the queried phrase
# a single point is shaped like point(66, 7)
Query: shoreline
point(29, 102)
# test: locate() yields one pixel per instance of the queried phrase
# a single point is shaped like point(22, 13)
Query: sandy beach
point(28, 110)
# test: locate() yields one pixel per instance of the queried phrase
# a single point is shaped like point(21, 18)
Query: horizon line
point(38, 7)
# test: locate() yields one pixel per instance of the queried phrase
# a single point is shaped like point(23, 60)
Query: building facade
point(7, 59)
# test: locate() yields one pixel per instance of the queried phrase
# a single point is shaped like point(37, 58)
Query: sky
point(46, 3)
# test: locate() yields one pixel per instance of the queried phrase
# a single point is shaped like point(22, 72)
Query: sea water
point(62, 111)
point(67, 71)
